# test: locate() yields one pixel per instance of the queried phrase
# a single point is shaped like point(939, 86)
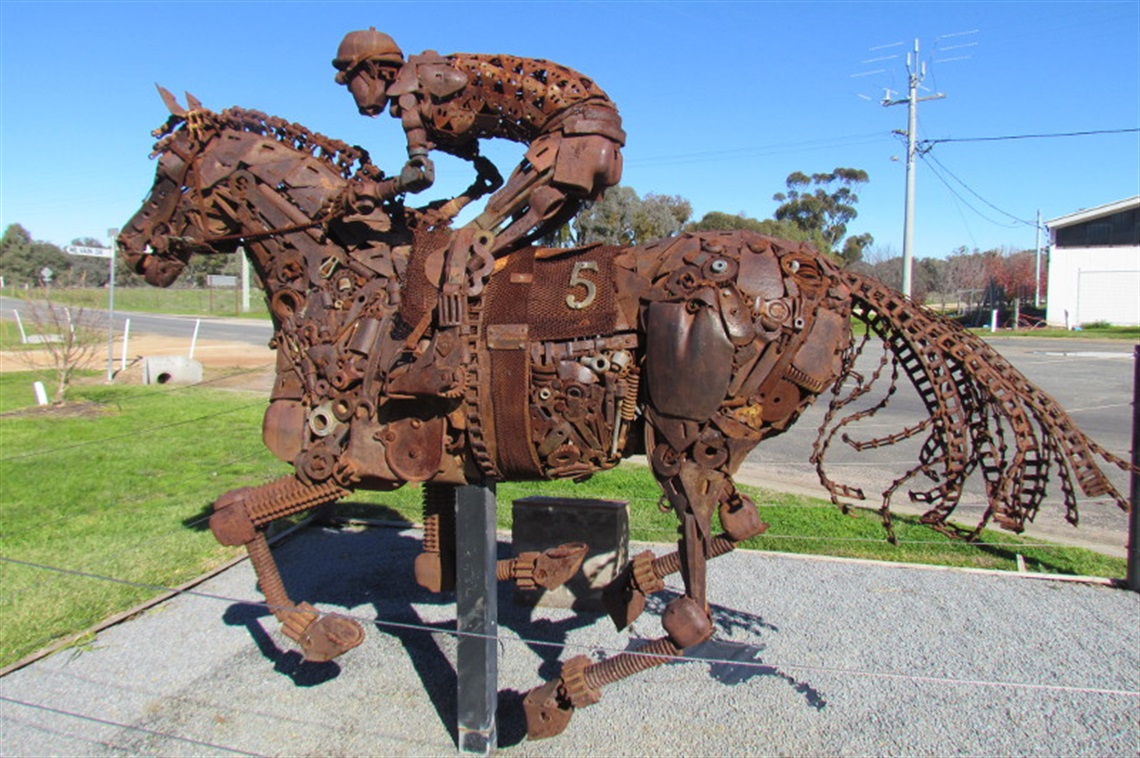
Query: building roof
point(1096, 212)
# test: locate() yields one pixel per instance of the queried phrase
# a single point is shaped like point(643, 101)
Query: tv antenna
point(955, 44)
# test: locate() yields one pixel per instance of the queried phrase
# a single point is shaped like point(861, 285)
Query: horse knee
point(230, 521)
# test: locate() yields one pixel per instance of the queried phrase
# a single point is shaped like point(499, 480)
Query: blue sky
point(720, 100)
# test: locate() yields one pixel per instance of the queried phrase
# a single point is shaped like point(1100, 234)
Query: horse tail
point(983, 415)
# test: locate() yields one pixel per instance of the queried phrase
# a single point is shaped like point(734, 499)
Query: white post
point(911, 154)
point(194, 339)
point(20, 325)
point(916, 72)
point(993, 320)
point(244, 280)
point(1077, 310)
point(41, 393)
point(1037, 276)
point(126, 342)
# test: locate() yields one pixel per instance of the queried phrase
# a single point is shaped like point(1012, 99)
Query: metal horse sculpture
point(559, 363)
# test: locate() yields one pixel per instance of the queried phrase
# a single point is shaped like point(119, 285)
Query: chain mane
point(350, 161)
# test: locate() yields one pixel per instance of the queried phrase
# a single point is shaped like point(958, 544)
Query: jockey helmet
point(368, 44)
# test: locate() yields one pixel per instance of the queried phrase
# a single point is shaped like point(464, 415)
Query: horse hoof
point(547, 713)
point(557, 565)
point(330, 636)
point(623, 603)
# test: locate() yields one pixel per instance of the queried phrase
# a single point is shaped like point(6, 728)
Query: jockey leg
point(561, 171)
point(546, 208)
point(239, 519)
point(439, 371)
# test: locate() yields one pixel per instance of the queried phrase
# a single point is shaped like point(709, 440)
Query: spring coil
point(629, 402)
point(267, 576)
point(625, 665)
point(439, 503)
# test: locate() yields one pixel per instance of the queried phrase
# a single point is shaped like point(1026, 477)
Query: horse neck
point(272, 196)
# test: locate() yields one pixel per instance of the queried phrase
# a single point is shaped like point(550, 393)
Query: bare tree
point(67, 336)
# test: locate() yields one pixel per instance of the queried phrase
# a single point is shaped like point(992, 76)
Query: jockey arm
point(419, 172)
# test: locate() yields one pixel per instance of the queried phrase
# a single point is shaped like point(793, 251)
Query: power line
point(928, 157)
point(928, 143)
point(134, 433)
point(779, 148)
point(121, 725)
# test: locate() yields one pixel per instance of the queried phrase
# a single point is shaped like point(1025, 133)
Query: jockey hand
point(417, 175)
point(489, 179)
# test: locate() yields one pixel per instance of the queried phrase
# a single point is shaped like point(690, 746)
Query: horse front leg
point(240, 517)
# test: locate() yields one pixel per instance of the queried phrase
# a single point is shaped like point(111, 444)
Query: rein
point(268, 233)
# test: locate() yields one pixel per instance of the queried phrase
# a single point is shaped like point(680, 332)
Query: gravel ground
point(812, 657)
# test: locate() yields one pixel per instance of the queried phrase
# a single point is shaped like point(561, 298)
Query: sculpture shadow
point(338, 568)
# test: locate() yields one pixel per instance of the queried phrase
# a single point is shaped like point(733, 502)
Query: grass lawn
point(1097, 332)
point(119, 483)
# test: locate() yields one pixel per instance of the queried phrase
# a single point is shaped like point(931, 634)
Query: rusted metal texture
point(411, 351)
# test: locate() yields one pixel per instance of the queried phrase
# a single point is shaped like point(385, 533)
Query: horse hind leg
point(435, 565)
point(625, 597)
point(240, 517)
point(695, 491)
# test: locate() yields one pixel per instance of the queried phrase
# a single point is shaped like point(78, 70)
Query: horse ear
point(192, 102)
point(171, 103)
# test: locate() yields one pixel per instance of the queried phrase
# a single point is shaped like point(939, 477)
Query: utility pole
point(1037, 267)
point(916, 73)
point(113, 234)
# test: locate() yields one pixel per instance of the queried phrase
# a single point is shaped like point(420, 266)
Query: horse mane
point(350, 161)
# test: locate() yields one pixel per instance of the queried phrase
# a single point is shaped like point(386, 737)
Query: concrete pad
point(811, 657)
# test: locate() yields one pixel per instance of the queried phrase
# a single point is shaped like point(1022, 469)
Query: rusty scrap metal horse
point(693, 350)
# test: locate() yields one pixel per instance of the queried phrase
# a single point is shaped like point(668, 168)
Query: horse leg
point(624, 598)
point(240, 517)
point(435, 566)
point(694, 489)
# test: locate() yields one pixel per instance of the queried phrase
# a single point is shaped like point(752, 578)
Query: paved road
point(812, 658)
point(249, 331)
point(1092, 379)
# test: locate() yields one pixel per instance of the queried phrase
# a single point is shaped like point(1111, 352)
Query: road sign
point(91, 252)
point(220, 280)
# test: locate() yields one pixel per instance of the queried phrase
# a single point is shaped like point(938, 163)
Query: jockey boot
point(439, 371)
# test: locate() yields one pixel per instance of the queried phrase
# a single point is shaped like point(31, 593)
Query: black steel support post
point(476, 609)
point(1133, 577)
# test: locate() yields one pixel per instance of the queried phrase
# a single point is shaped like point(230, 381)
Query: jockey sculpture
point(574, 138)
point(450, 102)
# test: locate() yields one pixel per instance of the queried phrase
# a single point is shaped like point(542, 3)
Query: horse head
point(237, 177)
point(160, 237)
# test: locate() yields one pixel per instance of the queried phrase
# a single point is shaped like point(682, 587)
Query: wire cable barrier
point(595, 651)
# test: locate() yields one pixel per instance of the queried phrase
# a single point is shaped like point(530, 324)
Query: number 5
point(576, 280)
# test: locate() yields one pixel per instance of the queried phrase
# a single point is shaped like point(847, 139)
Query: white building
point(1094, 266)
